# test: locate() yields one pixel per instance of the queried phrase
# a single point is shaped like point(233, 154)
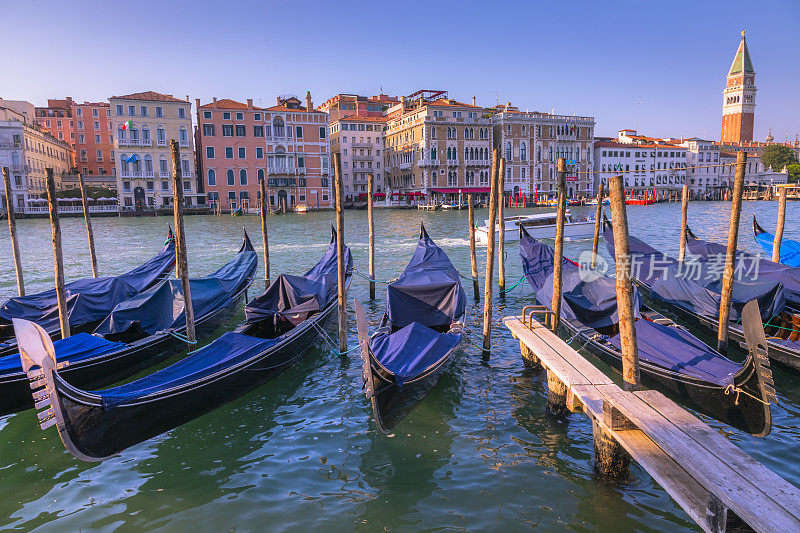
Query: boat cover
point(295, 297)
point(748, 264)
point(224, 353)
point(72, 350)
point(647, 263)
point(790, 250)
point(429, 291)
point(89, 300)
point(678, 350)
point(162, 307)
point(537, 261)
point(410, 351)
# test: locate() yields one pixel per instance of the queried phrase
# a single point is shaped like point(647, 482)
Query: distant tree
point(776, 156)
point(794, 172)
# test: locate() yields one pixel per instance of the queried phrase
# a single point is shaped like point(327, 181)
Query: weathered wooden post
point(472, 256)
point(58, 258)
point(487, 289)
point(597, 224)
point(501, 238)
point(181, 261)
point(339, 198)
point(559, 244)
point(684, 222)
point(622, 253)
point(371, 228)
point(776, 244)
point(88, 220)
point(12, 227)
point(264, 235)
point(730, 255)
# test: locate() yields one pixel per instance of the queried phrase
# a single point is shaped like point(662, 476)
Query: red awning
point(416, 193)
point(379, 195)
point(396, 194)
point(465, 190)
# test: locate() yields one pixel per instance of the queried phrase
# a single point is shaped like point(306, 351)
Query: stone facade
point(360, 141)
point(739, 98)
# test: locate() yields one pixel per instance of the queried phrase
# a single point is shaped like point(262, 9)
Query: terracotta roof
point(283, 109)
point(226, 103)
point(57, 104)
point(151, 96)
point(623, 146)
point(357, 118)
point(452, 103)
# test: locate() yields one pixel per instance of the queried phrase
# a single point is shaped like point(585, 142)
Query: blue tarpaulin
point(790, 250)
point(429, 291)
point(89, 300)
point(72, 349)
point(411, 350)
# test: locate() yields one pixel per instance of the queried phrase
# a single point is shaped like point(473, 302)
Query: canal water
point(300, 453)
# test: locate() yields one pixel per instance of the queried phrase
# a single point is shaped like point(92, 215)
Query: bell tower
point(739, 98)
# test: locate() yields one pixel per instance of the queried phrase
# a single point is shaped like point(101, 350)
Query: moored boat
point(790, 250)
point(420, 332)
point(670, 357)
point(139, 331)
point(539, 225)
point(301, 208)
point(281, 326)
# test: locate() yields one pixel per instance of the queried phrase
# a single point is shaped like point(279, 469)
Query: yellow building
point(143, 125)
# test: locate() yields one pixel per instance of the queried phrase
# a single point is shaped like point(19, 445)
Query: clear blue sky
point(594, 58)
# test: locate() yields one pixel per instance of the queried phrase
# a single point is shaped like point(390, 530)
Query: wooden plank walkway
point(717, 484)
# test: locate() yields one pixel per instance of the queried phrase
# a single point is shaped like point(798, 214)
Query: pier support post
point(339, 198)
point(12, 227)
point(622, 253)
point(611, 460)
point(487, 288)
point(776, 244)
point(556, 396)
point(264, 235)
point(88, 220)
point(730, 255)
point(529, 358)
point(181, 260)
point(371, 227)
point(559, 244)
point(684, 222)
point(58, 258)
point(473, 259)
point(501, 237)
point(597, 223)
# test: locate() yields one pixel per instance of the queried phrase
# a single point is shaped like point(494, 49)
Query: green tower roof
point(741, 62)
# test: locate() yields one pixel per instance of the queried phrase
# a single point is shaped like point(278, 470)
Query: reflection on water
point(300, 452)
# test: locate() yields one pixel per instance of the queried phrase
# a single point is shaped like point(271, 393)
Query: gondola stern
point(366, 368)
point(690, 236)
point(757, 229)
point(247, 244)
point(333, 233)
point(523, 233)
point(606, 223)
point(423, 234)
point(756, 370)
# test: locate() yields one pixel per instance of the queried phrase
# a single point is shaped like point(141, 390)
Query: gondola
point(280, 326)
point(88, 300)
point(138, 332)
point(790, 250)
point(670, 358)
point(419, 334)
point(696, 301)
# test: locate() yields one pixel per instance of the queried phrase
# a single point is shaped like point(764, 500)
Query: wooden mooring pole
point(684, 222)
point(559, 244)
point(487, 289)
point(730, 255)
point(473, 259)
point(12, 227)
point(264, 234)
point(58, 258)
point(776, 244)
point(371, 229)
point(88, 220)
point(339, 198)
point(622, 253)
point(501, 237)
point(181, 261)
point(597, 224)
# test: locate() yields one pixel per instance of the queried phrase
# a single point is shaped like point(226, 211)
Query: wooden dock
point(719, 486)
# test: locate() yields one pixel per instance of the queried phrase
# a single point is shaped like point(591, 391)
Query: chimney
point(278, 100)
point(187, 98)
point(197, 105)
point(473, 100)
point(249, 103)
point(309, 107)
point(403, 103)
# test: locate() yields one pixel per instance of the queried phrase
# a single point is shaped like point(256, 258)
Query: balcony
point(276, 139)
point(9, 144)
point(428, 162)
point(362, 145)
point(18, 168)
point(482, 163)
point(162, 143)
point(281, 171)
point(130, 174)
point(146, 142)
point(405, 166)
point(362, 157)
point(184, 143)
point(163, 175)
point(452, 162)
point(149, 175)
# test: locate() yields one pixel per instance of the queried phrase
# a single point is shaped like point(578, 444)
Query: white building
point(704, 170)
point(360, 141)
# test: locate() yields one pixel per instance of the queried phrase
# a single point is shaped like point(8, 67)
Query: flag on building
point(132, 159)
point(126, 125)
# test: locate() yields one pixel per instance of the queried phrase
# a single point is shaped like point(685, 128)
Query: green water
point(479, 453)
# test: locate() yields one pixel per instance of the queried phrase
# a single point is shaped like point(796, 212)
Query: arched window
point(523, 153)
point(161, 134)
point(433, 132)
point(508, 151)
point(148, 163)
point(278, 128)
point(466, 153)
point(123, 162)
point(231, 177)
point(145, 132)
point(242, 177)
point(260, 174)
point(182, 137)
point(212, 177)
point(433, 153)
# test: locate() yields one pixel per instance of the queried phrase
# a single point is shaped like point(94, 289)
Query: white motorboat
point(539, 225)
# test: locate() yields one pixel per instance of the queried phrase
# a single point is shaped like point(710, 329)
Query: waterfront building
point(436, 146)
point(360, 142)
point(739, 98)
point(143, 125)
point(28, 150)
point(356, 105)
point(647, 163)
point(231, 152)
point(86, 127)
point(703, 167)
point(755, 175)
point(298, 156)
point(532, 143)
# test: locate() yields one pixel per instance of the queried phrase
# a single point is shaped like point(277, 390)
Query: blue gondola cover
point(412, 349)
point(71, 350)
point(89, 300)
point(790, 250)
